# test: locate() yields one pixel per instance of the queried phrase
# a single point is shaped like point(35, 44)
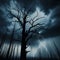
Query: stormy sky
point(50, 9)
point(45, 5)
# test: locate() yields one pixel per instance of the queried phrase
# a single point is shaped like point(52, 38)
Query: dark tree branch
point(32, 20)
point(37, 19)
point(27, 39)
point(18, 18)
point(18, 9)
point(29, 22)
point(34, 32)
point(34, 26)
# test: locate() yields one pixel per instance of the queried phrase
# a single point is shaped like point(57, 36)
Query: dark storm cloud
point(56, 12)
point(45, 5)
point(27, 4)
point(49, 4)
point(2, 2)
point(54, 30)
point(53, 5)
point(2, 20)
point(3, 23)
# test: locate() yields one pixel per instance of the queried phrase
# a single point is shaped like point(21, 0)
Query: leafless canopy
point(25, 15)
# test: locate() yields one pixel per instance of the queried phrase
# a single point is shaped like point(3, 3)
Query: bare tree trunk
point(23, 51)
point(23, 43)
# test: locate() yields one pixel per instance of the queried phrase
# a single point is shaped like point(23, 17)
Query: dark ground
point(1, 58)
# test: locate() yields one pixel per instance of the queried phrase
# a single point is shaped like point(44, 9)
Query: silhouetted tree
point(22, 19)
